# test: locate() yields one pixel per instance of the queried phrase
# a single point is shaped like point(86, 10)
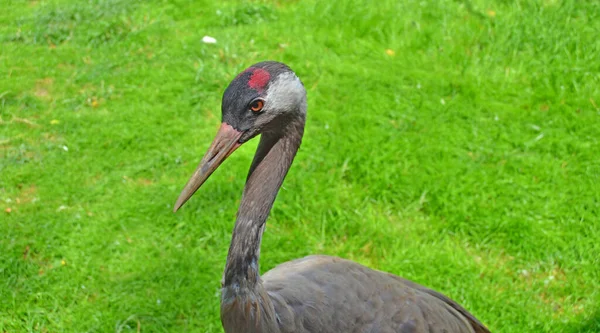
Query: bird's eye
point(257, 105)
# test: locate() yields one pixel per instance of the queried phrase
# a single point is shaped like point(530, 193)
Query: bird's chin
point(248, 135)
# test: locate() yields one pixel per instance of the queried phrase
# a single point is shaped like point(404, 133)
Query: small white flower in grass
point(209, 40)
point(418, 86)
point(326, 126)
point(443, 101)
point(65, 148)
point(158, 301)
point(496, 117)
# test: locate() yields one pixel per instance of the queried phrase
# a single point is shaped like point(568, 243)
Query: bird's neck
point(271, 163)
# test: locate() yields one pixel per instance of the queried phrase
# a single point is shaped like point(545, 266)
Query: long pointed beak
point(225, 143)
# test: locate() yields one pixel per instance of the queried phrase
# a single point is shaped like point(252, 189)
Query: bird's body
point(316, 294)
point(330, 295)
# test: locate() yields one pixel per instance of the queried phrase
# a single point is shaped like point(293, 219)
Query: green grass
point(453, 143)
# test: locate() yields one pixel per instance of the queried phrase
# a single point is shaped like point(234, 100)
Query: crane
point(317, 293)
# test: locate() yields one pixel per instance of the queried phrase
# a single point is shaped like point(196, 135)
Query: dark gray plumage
point(317, 293)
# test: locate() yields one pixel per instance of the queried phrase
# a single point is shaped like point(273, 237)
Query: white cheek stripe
point(285, 93)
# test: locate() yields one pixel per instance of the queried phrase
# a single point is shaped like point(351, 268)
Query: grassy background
point(453, 143)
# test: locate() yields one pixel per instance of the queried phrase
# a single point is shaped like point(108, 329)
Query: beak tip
point(177, 205)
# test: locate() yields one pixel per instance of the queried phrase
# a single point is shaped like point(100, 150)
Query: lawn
point(454, 143)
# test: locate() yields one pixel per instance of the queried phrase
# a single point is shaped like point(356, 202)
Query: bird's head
point(260, 97)
point(260, 100)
